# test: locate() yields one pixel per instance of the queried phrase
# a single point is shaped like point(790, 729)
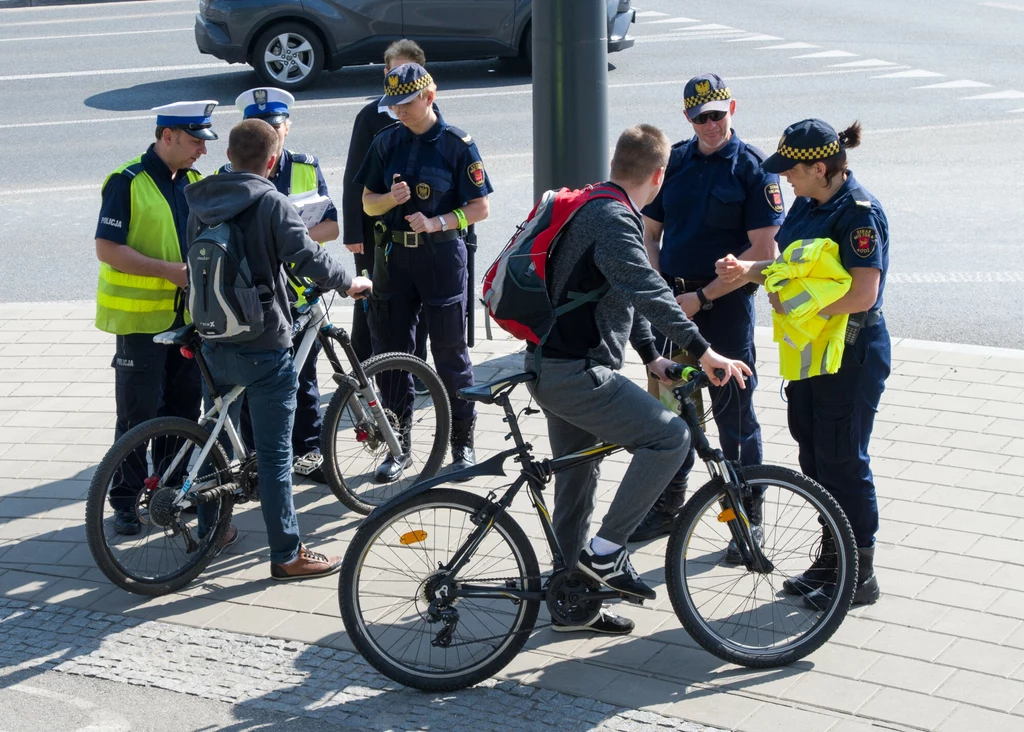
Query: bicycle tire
point(683, 602)
point(347, 485)
point(353, 568)
point(136, 438)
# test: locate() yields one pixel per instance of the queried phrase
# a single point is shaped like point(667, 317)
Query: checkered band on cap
point(718, 95)
point(408, 87)
point(810, 153)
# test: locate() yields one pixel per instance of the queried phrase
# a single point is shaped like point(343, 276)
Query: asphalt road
point(938, 88)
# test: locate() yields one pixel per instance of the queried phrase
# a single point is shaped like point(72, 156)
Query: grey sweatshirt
point(605, 242)
point(274, 235)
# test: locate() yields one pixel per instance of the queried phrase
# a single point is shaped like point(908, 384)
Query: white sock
point(603, 546)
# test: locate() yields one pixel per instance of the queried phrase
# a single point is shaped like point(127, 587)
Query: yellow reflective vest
point(127, 303)
point(808, 277)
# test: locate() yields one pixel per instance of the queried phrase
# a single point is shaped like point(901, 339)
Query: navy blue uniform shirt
point(708, 203)
point(852, 218)
point(443, 170)
point(282, 180)
point(116, 208)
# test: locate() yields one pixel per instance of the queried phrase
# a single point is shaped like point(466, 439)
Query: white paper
point(311, 207)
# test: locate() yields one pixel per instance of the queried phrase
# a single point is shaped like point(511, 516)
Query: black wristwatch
point(705, 304)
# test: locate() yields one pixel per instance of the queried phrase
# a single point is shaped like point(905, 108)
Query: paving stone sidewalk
point(943, 650)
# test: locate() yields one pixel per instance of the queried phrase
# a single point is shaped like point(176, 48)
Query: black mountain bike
point(176, 478)
point(440, 588)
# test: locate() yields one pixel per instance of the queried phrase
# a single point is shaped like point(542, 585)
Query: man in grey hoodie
point(273, 235)
point(583, 397)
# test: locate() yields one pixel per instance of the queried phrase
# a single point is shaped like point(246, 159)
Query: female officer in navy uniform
point(831, 416)
point(426, 179)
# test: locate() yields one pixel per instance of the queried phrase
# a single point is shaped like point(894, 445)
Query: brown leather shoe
point(308, 565)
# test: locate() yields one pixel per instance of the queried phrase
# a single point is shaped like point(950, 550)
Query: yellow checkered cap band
point(718, 95)
point(400, 90)
point(810, 153)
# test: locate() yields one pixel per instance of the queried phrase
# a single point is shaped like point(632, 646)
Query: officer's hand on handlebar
point(400, 190)
point(361, 288)
point(731, 269)
point(720, 369)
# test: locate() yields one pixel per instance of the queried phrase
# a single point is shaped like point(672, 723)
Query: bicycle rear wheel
point(166, 548)
point(743, 616)
point(353, 445)
point(387, 581)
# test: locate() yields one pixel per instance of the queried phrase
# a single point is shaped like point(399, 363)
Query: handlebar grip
point(719, 374)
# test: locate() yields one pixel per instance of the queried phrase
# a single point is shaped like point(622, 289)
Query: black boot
point(867, 592)
point(392, 468)
point(463, 455)
point(821, 572)
point(753, 507)
point(659, 520)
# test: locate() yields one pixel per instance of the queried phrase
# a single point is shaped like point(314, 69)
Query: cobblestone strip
point(258, 674)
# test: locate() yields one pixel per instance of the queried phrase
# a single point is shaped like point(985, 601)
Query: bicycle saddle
point(487, 393)
point(178, 337)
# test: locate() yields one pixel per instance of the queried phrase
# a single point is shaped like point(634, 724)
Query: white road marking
point(1012, 111)
point(680, 38)
point(952, 277)
point(788, 46)
point(826, 54)
point(96, 35)
point(102, 721)
point(53, 189)
point(116, 72)
point(862, 63)
point(911, 74)
point(670, 20)
point(958, 84)
point(1009, 94)
point(707, 27)
point(99, 18)
point(650, 14)
point(1003, 6)
point(755, 38)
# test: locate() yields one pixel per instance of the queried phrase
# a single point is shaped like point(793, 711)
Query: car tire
point(288, 56)
point(525, 60)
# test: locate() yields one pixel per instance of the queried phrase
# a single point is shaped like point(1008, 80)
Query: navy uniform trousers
point(150, 381)
point(432, 275)
point(831, 418)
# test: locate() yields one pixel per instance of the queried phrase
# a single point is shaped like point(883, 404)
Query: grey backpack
point(224, 302)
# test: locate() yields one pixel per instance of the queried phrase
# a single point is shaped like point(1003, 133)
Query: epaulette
point(680, 144)
point(382, 130)
point(865, 204)
point(303, 158)
point(224, 169)
point(461, 134)
point(132, 170)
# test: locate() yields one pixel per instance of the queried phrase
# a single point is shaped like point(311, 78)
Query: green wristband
point(463, 223)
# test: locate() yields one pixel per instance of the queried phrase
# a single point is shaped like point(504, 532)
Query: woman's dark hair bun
point(850, 137)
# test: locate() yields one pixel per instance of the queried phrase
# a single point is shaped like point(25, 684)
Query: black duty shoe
point(463, 455)
point(418, 387)
point(126, 522)
point(614, 570)
point(605, 622)
point(867, 592)
point(821, 572)
point(392, 468)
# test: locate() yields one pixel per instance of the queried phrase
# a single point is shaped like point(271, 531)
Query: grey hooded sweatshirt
point(274, 235)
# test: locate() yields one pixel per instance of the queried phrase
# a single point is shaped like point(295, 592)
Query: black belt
point(872, 318)
point(412, 240)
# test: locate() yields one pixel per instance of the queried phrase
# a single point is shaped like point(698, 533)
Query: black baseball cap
point(402, 84)
point(804, 142)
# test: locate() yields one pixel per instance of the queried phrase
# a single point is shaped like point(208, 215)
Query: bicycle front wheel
point(743, 616)
point(387, 584)
point(139, 539)
point(352, 441)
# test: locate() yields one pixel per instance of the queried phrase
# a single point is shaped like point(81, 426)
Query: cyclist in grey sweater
point(584, 399)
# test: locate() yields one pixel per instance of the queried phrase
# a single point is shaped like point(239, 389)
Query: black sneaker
point(126, 522)
point(418, 387)
point(614, 570)
point(606, 622)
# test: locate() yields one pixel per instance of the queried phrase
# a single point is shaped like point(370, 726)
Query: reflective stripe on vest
point(127, 303)
point(303, 181)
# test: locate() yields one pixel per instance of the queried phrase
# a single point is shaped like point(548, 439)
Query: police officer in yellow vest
point(294, 174)
point(140, 242)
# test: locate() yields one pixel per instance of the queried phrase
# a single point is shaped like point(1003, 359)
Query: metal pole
point(570, 93)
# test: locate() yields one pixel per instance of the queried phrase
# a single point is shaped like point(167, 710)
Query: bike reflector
point(413, 537)
point(726, 515)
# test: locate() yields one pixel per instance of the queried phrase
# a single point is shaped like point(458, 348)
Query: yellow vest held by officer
point(808, 277)
point(128, 303)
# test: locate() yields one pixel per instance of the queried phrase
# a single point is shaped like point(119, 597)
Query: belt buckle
point(415, 240)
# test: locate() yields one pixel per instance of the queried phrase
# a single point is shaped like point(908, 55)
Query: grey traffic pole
point(570, 93)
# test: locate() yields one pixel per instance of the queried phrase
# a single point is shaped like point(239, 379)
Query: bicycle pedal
point(633, 599)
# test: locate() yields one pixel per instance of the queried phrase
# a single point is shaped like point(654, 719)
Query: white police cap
point(266, 103)
point(193, 117)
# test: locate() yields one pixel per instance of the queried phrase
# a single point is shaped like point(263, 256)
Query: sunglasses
point(701, 119)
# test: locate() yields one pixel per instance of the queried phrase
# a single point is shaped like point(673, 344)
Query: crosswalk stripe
point(911, 74)
point(1008, 94)
point(788, 46)
point(958, 84)
point(758, 38)
point(670, 20)
point(862, 63)
point(827, 54)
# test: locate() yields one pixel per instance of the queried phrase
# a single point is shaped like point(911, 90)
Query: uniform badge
point(209, 110)
point(476, 173)
point(863, 241)
point(392, 81)
point(703, 87)
point(423, 191)
point(774, 196)
point(260, 97)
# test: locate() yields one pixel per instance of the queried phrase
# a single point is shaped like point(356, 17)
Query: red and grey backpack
point(515, 288)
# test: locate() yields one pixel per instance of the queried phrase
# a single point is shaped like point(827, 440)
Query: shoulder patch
point(864, 241)
point(774, 196)
point(475, 171)
point(461, 134)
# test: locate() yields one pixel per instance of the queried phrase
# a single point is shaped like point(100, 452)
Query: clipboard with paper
point(311, 207)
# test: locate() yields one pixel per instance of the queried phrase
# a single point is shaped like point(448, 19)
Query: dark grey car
point(289, 42)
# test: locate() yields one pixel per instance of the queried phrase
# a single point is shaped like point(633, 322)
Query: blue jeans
point(271, 383)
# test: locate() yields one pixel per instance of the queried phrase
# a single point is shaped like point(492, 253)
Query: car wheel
point(289, 56)
point(526, 50)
